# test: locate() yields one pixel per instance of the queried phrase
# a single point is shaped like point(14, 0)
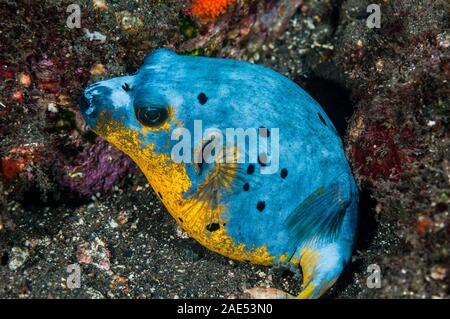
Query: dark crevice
point(335, 14)
point(366, 230)
point(325, 86)
point(4, 259)
point(334, 99)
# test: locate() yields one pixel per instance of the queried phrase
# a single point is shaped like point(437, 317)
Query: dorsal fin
point(319, 217)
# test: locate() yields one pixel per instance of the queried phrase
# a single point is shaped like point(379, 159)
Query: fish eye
point(152, 116)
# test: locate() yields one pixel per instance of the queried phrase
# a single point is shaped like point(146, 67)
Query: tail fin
point(311, 291)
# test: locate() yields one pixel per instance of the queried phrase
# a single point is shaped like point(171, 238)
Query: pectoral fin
point(319, 217)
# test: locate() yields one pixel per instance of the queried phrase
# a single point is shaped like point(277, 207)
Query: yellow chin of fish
point(170, 180)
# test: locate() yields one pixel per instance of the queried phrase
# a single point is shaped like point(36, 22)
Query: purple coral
point(97, 168)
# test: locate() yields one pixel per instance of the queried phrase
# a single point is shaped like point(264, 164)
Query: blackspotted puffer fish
point(301, 212)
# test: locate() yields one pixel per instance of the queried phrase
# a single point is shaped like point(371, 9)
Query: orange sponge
point(210, 9)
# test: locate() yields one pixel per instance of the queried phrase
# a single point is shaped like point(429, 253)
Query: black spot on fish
point(202, 98)
point(284, 173)
point(246, 187)
point(264, 132)
point(262, 159)
point(322, 119)
point(250, 169)
point(160, 196)
point(212, 227)
point(126, 87)
point(180, 219)
point(260, 206)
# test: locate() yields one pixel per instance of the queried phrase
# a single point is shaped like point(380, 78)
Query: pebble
point(438, 272)
point(129, 22)
point(18, 257)
point(113, 224)
point(51, 107)
point(99, 5)
point(122, 218)
point(98, 69)
point(24, 79)
point(95, 36)
point(181, 233)
point(94, 253)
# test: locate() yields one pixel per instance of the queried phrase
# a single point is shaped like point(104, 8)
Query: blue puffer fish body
point(299, 210)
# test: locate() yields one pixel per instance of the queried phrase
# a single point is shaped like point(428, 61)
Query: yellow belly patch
point(171, 180)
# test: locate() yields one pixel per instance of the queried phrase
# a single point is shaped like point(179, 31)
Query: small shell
point(266, 293)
